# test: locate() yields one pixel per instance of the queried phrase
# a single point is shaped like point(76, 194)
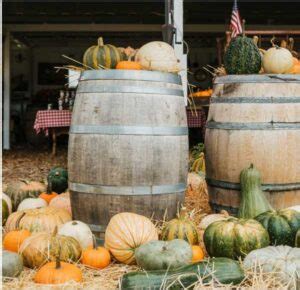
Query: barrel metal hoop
point(254, 100)
point(132, 75)
point(129, 90)
point(127, 190)
point(266, 187)
point(128, 130)
point(271, 78)
point(252, 126)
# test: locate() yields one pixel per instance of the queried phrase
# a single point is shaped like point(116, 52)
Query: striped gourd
point(181, 228)
point(100, 56)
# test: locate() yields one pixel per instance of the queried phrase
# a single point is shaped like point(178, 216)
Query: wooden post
point(6, 94)
point(178, 43)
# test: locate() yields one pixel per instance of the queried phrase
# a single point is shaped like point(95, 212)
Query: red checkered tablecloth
point(196, 119)
point(51, 118)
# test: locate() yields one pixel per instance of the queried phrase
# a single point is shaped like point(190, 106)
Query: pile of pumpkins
point(154, 56)
point(244, 57)
point(46, 239)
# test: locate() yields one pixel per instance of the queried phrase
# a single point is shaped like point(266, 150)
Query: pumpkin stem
point(74, 223)
point(100, 41)
point(255, 40)
point(54, 232)
point(272, 42)
point(94, 242)
point(251, 166)
point(57, 173)
point(19, 220)
point(57, 259)
point(49, 186)
point(243, 28)
point(183, 212)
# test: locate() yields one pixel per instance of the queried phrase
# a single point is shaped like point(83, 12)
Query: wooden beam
point(6, 94)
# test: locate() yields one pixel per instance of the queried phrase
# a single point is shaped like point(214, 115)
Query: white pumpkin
point(158, 56)
point(31, 203)
point(79, 231)
point(277, 60)
point(295, 207)
point(8, 201)
point(211, 218)
point(283, 260)
point(62, 201)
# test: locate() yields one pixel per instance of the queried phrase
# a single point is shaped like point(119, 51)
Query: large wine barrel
point(254, 119)
point(128, 145)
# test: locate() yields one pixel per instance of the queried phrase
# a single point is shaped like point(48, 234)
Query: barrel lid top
point(141, 75)
point(259, 78)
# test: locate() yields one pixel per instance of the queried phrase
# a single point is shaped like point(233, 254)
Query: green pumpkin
point(159, 255)
point(181, 228)
point(5, 212)
point(242, 57)
point(12, 264)
point(19, 190)
point(234, 238)
point(99, 55)
point(282, 225)
point(253, 200)
point(58, 178)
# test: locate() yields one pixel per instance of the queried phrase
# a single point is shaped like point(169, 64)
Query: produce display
point(37, 220)
point(159, 255)
point(12, 264)
point(181, 228)
point(225, 270)
point(234, 238)
point(43, 247)
point(96, 257)
point(253, 200)
point(283, 260)
point(125, 233)
point(58, 179)
point(282, 225)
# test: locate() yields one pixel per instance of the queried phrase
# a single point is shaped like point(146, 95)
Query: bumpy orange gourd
point(127, 231)
point(129, 65)
point(96, 257)
point(58, 273)
point(14, 239)
point(198, 254)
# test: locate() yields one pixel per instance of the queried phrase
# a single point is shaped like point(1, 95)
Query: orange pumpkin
point(14, 239)
point(129, 65)
point(198, 254)
point(49, 194)
point(57, 273)
point(296, 67)
point(95, 257)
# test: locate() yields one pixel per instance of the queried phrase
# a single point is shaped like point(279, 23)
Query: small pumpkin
point(79, 231)
point(58, 178)
point(58, 273)
point(128, 65)
point(234, 238)
point(102, 55)
point(181, 228)
point(211, 218)
point(282, 225)
point(158, 56)
point(198, 254)
point(159, 255)
point(48, 195)
point(253, 201)
point(62, 201)
point(38, 220)
point(31, 203)
point(95, 257)
point(277, 60)
point(296, 66)
point(126, 232)
point(12, 264)
point(13, 240)
point(43, 247)
point(282, 260)
point(22, 189)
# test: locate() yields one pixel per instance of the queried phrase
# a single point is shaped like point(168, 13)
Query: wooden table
point(53, 122)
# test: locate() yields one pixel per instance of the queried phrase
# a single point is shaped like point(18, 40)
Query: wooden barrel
point(128, 146)
point(254, 119)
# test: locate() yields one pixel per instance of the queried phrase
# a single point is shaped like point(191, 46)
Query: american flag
point(235, 23)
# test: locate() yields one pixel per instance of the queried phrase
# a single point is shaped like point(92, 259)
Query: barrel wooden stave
point(127, 171)
point(240, 131)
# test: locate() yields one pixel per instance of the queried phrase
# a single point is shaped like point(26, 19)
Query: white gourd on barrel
point(158, 56)
point(31, 203)
point(79, 231)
